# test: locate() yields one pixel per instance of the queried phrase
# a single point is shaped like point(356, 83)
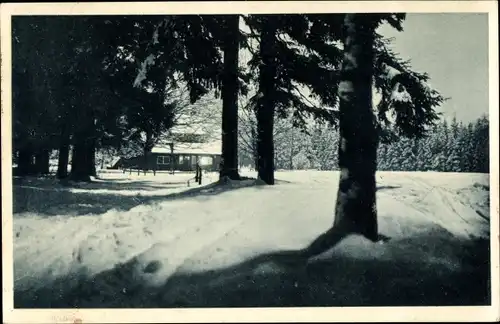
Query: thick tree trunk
point(42, 159)
point(62, 163)
point(25, 164)
point(265, 106)
point(84, 148)
point(229, 160)
point(81, 160)
point(83, 154)
point(355, 210)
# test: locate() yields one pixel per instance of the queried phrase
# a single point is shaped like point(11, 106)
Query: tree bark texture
point(42, 161)
point(265, 106)
point(25, 165)
point(62, 163)
point(83, 149)
point(355, 209)
point(80, 163)
point(229, 160)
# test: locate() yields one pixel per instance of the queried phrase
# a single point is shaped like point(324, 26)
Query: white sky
point(453, 49)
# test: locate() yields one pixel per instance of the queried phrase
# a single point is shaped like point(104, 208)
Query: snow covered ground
point(151, 241)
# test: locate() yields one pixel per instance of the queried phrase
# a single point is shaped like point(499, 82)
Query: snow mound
point(232, 243)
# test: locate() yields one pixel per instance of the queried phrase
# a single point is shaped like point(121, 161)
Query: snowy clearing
point(151, 241)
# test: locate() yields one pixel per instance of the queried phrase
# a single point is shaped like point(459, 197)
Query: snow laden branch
point(143, 70)
point(150, 60)
point(407, 103)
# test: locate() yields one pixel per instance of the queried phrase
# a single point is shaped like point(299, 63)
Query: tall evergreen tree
point(323, 138)
point(89, 83)
point(469, 148)
point(34, 101)
point(441, 147)
point(404, 93)
point(355, 209)
point(308, 53)
point(230, 46)
point(204, 51)
point(455, 147)
point(266, 100)
point(482, 149)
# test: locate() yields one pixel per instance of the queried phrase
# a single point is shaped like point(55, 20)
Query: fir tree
point(355, 209)
point(481, 140)
point(230, 47)
point(469, 162)
point(454, 152)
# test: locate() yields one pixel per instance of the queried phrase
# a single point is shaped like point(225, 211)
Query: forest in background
point(448, 147)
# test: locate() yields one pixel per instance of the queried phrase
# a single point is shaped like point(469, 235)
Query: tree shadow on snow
point(43, 199)
point(278, 279)
point(379, 188)
point(111, 185)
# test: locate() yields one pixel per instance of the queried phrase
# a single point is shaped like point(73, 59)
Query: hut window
point(163, 160)
point(206, 160)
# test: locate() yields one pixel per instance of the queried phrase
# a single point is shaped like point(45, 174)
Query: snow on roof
point(182, 129)
point(213, 148)
point(114, 161)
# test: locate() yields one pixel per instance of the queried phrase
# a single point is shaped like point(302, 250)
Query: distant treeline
point(449, 147)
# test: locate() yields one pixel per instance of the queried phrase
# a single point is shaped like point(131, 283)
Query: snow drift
point(146, 241)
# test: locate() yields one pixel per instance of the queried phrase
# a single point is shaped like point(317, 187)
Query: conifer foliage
point(467, 150)
point(446, 148)
point(110, 83)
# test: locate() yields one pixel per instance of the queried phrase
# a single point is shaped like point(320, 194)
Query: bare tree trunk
point(265, 106)
point(81, 162)
point(355, 210)
point(25, 164)
point(229, 160)
point(42, 161)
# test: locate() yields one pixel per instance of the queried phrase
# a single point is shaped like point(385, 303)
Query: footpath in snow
point(152, 241)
